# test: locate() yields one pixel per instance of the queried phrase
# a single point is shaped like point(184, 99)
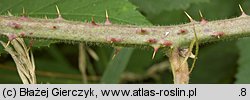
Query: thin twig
point(83, 62)
point(24, 61)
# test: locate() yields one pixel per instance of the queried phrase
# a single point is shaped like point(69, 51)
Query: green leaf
point(216, 64)
point(1, 46)
point(120, 11)
point(172, 11)
point(243, 44)
point(117, 66)
point(210, 10)
point(153, 7)
point(244, 65)
point(1, 49)
point(135, 63)
point(167, 14)
point(104, 54)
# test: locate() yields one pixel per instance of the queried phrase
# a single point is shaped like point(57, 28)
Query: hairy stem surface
point(124, 35)
point(128, 35)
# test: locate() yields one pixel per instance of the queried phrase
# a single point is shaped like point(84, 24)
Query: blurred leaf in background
point(244, 64)
point(217, 63)
point(116, 66)
point(220, 62)
point(54, 59)
point(212, 64)
point(244, 61)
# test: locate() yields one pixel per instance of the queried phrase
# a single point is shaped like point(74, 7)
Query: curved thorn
point(189, 17)
point(242, 11)
point(107, 16)
point(58, 12)
point(153, 56)
point(218, 37)
point(93, 21)
point(107, 22)
point(23, 11)
point(9, 13)
point(203, 20)
point(200, 14)
point(241, 8)
point(155, 50)
point(45, 17)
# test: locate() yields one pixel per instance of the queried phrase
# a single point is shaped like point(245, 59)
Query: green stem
point(129, 35)
point(125, 35)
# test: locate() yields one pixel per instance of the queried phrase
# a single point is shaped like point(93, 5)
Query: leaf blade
point(243, 74)
point(117, 66)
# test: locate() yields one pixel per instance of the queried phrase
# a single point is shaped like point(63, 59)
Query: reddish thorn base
point(113, 40)
point(152, 41)
point(23, 18)
point(54, 27)
point(155, 51)
point(182, 32)
point(142, 31)
point(12, 37)
point(15, 25)
point(93, 23)
point(203, 21)
point(167, 43)
point(218, 34)
point(107, 22)
point(22, 34)
point(59, 19)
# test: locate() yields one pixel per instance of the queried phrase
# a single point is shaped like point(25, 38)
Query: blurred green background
point(218, 62)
